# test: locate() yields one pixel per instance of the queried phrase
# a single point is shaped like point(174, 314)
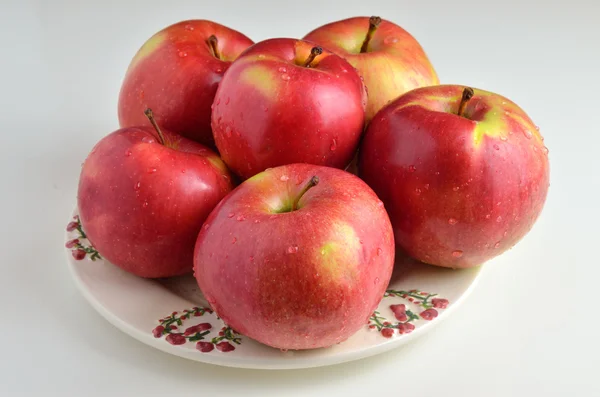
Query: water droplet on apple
point(145, 205)
point(510, 132)
point(183, 171)
point(426, 186)
point(390, 40)
point(505, 233)
point(227, 101)
point(285, 77)
point(411, 168)
point(437, 172)
point(497, 245)
point(282, 69)
point(241, 218)
point(344, 71)
point(151, 170)
point(455, 188)
point(218, 101)
point(537, 127)
point(251, 259)
point(189, 27)
point(219, 70)
point(452, 221)
point(228, 131)
point(499, 219)
point(545, 150)
point(488, 216)
point(230, 215)
point(496, 147)
point(333, 145)
point(380, 204)
point(283, 350)
point(137, 186)
point(266, 109)
point(182, 54)
point(457, 253)
point(261, 56)
point(284, 178)
point(376, 281)
point(379, 251)
point(147, 139)
point(127, 153)
point(256, 221)
point(292, 249)
point(233, 240)
point(503, 138)
point(528, 134)
point(535, 149)
point(418, 191)
point(206, 226)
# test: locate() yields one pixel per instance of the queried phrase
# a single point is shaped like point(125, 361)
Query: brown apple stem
point(314, 52)
point(150, 115)
point(466, 95)
point(212, 43)
point(314, 181)
point(373, 24)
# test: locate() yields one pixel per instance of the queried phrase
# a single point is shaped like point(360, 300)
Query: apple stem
point(466, 95)
point(314, 181)
point(212, 43)
point(314, 52)
point(373, 24)
point(150, 115)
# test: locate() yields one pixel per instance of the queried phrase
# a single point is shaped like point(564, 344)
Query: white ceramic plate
point(148, 309)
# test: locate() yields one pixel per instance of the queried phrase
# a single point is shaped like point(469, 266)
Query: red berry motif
point(197, 328)
point(406, 318)
point(439, 303)
point(429, 314)
point(399, 312)
point(71, 243)
point(158, 331)
point(225, 347)
point(387, 332)
point(176, 339)
point(205, 347)
point(196, 333)
point(78, 249)
point(405, 328)
point(78, 254)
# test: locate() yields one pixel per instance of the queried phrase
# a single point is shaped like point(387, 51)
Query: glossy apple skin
point(296, 280)
point(394, 63)
point(270, 110)
point(142, 204)
point(176, 75)
point(459, 190)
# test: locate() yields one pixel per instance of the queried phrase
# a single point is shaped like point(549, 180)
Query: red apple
point(296, 257)
point(176, 73)
point(463, 173)
point(286, 101)
point(143, 196)
point(391, 61)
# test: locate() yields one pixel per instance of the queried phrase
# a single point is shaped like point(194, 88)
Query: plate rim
point(262, 363)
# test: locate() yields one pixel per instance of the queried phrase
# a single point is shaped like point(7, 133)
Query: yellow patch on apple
point(342, 248)
point(148, 48)
point(260, 78)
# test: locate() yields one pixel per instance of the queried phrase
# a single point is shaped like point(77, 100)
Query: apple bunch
point(233, 161)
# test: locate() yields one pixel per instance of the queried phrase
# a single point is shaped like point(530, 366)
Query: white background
point(529, 328)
